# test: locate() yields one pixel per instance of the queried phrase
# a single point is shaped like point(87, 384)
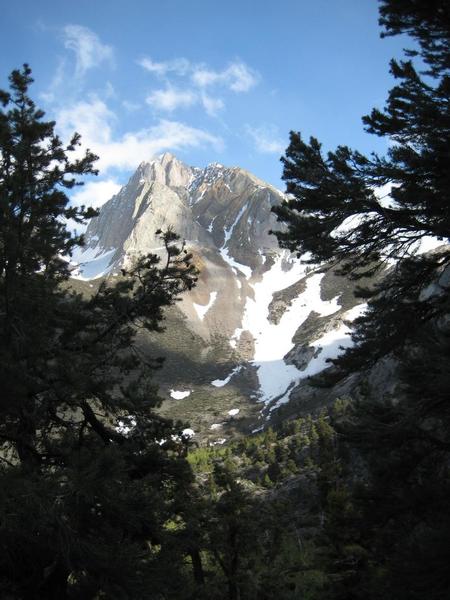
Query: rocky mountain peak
point(167, 170)
point(251, 297)
point(223, 208)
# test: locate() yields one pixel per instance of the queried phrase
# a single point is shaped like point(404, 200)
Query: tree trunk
point(233, 587)
point(197, 566)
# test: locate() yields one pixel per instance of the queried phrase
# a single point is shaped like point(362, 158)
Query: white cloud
point(240, 77)
point(130, 106)
point(237, 77)
point(266, 139)
point(170, 99)
point(181, 76)
point(179, 66)
point(204, 77)
point(212, 105)
point(94, 121)
point(95, 193)
point(89, 50)
point(132, 148)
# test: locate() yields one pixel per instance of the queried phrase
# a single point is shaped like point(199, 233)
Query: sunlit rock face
point(253, 296)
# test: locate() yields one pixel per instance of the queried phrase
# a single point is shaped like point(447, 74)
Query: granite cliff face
point(219, 208)
point(274, 321)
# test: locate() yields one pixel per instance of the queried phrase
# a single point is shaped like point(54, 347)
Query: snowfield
point(273, 341)
point(92, 263)
point(331, 345)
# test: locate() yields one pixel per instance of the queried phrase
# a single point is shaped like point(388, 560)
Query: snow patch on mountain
point(330, 345)
point(215, 426)
point(222, 382)
point(235, 337)
point(224, 251)
point(179, 395)
point(201, 309)
point(188, 432)
point(334, 342)
point(211, 225)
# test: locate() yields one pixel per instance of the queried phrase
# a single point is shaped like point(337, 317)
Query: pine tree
point(86, 487)
point(341, 188)
point(402, 498)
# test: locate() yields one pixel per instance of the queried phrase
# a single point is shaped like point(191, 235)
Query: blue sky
point(208, 81)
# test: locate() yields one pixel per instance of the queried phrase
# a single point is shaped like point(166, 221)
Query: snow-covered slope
point(224, 215)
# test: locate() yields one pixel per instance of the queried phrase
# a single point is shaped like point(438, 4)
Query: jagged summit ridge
point(214, 207)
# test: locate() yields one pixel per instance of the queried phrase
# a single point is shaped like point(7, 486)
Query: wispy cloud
point(130, 106)
point(56, 83)
point(179, 66)
point(89, 51)
point(95, 122)
point(212, 105)
point(186, 83)
point(110, 91)
point(238, 77)
point(266, 139)
point(170, 99)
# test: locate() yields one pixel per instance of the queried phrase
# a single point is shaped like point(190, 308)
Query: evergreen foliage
point(336, 213)
point(86, 487)
point(386, 522)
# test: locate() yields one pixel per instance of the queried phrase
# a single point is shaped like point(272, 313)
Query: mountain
point(258, 322)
